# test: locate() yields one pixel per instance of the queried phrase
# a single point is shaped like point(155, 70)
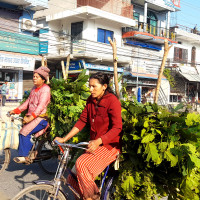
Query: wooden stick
point(42, 61)
point(67, 67)
point(113, 44)
point(63, 69)
point(166, 51)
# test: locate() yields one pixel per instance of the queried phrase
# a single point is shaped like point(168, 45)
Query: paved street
point(19, 176)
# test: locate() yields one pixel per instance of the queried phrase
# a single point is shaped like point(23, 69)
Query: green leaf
point(152, 153)
point(148, 138)
point(128, 184)
point(171, 158)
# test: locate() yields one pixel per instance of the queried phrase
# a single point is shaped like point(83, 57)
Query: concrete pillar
point(145, 16)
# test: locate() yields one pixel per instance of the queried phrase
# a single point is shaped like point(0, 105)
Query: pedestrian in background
point(4, 88)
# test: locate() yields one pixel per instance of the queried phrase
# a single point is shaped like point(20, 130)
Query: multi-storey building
point(185, 65)
point(82, 28)
point(19, 46)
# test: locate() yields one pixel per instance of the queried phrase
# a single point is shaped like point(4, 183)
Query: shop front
point(77, 66)
point(12, 66)
point(144, 85)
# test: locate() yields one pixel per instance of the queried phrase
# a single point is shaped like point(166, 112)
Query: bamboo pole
point(67, 67)
point(166, 51)
point(113, 44)
point(63, 70)
point(44, 64)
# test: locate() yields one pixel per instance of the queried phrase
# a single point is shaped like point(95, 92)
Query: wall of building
point(56, 6)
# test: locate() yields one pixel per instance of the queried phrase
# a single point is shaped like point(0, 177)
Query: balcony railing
point(89, 49)
point(154, 30)
point(187, 29)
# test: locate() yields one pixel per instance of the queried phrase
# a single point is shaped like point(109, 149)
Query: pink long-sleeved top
point(36, 104)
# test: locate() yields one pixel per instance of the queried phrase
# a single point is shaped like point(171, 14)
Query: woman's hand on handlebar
point(94, 144)
point(28, 119)
point(11, 112)
point(59, 139)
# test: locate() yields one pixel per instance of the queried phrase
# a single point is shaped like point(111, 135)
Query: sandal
point(19, 159)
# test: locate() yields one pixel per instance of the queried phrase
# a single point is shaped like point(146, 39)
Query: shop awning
point(191, 77)
point(143, 75)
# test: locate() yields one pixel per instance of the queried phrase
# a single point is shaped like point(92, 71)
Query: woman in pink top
point(36, 104)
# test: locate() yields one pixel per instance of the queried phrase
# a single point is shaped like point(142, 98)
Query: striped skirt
point(88, 166)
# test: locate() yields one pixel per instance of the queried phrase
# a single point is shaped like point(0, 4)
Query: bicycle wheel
point(108, 190)
point(48, 157)
point(4, 159)
point(38, 192)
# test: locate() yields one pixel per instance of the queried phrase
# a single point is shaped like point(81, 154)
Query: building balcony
point(29, 4)
point(149, 33)
point(162, 5)
point(186, 33)
point(90, 50)
point(119, 7)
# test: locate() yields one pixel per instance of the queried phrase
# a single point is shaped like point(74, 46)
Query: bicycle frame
point(59, 181)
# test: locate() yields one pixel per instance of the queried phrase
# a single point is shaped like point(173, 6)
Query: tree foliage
point(160, 153)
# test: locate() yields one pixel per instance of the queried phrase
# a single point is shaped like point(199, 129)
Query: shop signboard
point(20, 43)
point(43, 47)
point(102, 67)
point(9, 61)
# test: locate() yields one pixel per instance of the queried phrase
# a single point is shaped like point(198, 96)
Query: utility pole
point(166, 51)
point(113, 44)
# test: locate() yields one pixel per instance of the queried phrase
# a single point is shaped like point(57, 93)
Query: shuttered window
point(193, 57)
point(180, 55)
point(103, 35)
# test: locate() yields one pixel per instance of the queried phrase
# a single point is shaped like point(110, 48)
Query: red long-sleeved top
point(104, 119)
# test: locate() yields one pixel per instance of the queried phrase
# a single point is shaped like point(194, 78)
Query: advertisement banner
point(9, 61)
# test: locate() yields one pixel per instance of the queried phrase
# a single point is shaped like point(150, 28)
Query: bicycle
point(59, 189)
point(42, 152)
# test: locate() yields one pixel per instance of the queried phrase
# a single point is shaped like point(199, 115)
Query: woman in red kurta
point(103, 113)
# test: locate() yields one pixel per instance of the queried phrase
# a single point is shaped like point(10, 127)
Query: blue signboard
point(43, 47)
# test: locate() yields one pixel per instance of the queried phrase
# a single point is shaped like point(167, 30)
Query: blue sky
point(189, 14)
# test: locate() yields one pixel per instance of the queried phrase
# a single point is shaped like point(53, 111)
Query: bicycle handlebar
point(79, 145)
point(13, 118)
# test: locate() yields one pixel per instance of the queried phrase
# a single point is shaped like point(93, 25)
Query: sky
point(189, 15)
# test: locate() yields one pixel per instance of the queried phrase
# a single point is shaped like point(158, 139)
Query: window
point(152, 22)
point(76, 30)
point(193, 57)
point(180, 55)
point(103, 35)
point(136, 16)
point(175, 98)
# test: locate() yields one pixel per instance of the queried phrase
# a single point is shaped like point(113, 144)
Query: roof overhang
point(190, 73)
point(88, 12)
point(143, 75)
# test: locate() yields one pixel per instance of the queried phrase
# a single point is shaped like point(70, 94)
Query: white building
point(185, 65)
point(82, 28)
